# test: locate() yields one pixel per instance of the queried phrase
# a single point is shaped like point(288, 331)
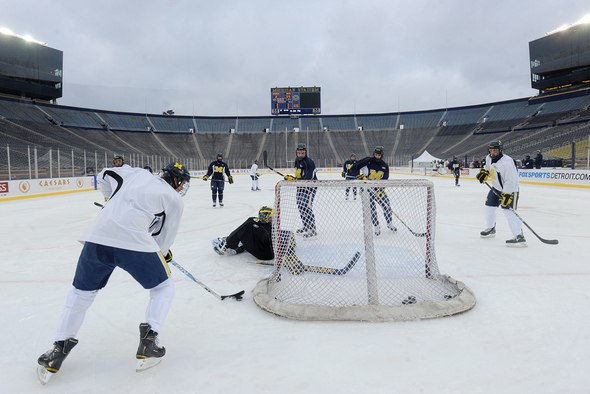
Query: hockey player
point(377, 169)
point(133, 231)
point(254, 175)
point(455, 167)
point(215, 171)
point(253, 236)
point(349, 172)
point(305, 170)
point(501, 170)
point(118, 160)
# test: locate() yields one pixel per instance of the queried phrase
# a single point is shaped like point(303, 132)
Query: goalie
point(252, 236)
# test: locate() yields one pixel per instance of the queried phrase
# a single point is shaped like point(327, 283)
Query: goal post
point(358, 250)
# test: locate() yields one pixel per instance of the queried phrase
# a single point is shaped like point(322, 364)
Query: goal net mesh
point(357, 250)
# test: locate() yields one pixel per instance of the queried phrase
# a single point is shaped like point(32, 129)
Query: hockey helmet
point(118, 157)
point(495, 145)
point(352, 155)
point(219, 156)
point(378, 150)
point(178, 171)
point(302, 147)
point(265, 214)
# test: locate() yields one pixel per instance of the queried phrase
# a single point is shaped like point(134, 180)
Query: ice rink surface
point(528, 333)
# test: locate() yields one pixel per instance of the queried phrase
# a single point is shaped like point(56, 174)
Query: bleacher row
point(524, 125)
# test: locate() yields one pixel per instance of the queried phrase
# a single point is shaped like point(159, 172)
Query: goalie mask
point(265, 214)
point(177, 175)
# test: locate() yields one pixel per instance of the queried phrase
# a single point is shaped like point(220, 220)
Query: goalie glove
point(289, 178)
point(230, 179)
point(361, 176)
point(506, 199)
point(168, 256)
point(482, 175)
point(205, 177)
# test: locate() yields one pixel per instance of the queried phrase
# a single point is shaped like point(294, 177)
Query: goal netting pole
point(364, 251)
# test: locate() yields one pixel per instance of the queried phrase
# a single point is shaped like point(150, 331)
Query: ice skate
point(50, 362)
point(149, 354)
point(220, 204)
point(377, 230)
point(214, 205)
point(218, 245)
point(391, 227)
point(310, 233)
point(488, 232)
point(517, 242)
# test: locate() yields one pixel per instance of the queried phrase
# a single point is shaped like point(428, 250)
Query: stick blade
point(237, 296)
point(550, 241)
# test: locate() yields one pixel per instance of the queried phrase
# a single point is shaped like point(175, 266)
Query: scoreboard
point(295, 101)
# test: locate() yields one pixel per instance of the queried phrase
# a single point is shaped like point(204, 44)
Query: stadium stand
point(92, 136)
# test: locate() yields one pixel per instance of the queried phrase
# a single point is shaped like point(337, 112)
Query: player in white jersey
point(133, 231)
point(254, 175)
point(500, 168)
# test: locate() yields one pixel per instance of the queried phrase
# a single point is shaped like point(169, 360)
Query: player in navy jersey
point(305, 170)
point(215, 172)
point(377, 169)
point(455, 166)
point(350, 172)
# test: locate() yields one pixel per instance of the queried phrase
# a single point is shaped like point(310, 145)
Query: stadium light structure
point(28, 37)
point(585, 19)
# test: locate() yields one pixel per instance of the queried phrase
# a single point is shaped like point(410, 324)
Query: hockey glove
point(168, 256)
point(361, 176)
point(205, 177)
point(289, 178)
point(230, 179)
point(343, 174)
point(506, 199)
point(482, 175)
point(257, 174)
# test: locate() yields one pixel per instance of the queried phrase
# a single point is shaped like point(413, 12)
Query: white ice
point(528, 333)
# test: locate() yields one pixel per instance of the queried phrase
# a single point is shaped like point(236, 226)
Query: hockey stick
point(237, 296)
point(320, 270)
point(334, 271)
point(98, 204)
point(265, 161)
point(545, 241)
point(415, 234)
point(262, 262)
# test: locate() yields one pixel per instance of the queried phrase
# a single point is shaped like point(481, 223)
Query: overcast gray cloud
point(222, 57)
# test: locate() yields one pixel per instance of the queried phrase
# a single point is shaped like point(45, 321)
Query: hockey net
point(357, 250)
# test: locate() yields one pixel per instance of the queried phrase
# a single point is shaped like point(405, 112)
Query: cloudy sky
point(220, 58)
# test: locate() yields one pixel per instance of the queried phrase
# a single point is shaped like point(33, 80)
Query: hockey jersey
point(142, 212)
point(503, 173)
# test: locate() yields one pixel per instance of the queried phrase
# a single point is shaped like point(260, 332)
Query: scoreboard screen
point(295, 100)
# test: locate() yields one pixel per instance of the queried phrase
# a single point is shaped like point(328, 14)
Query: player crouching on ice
point(133, 231)
point(253, 236)
point(500, 168)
